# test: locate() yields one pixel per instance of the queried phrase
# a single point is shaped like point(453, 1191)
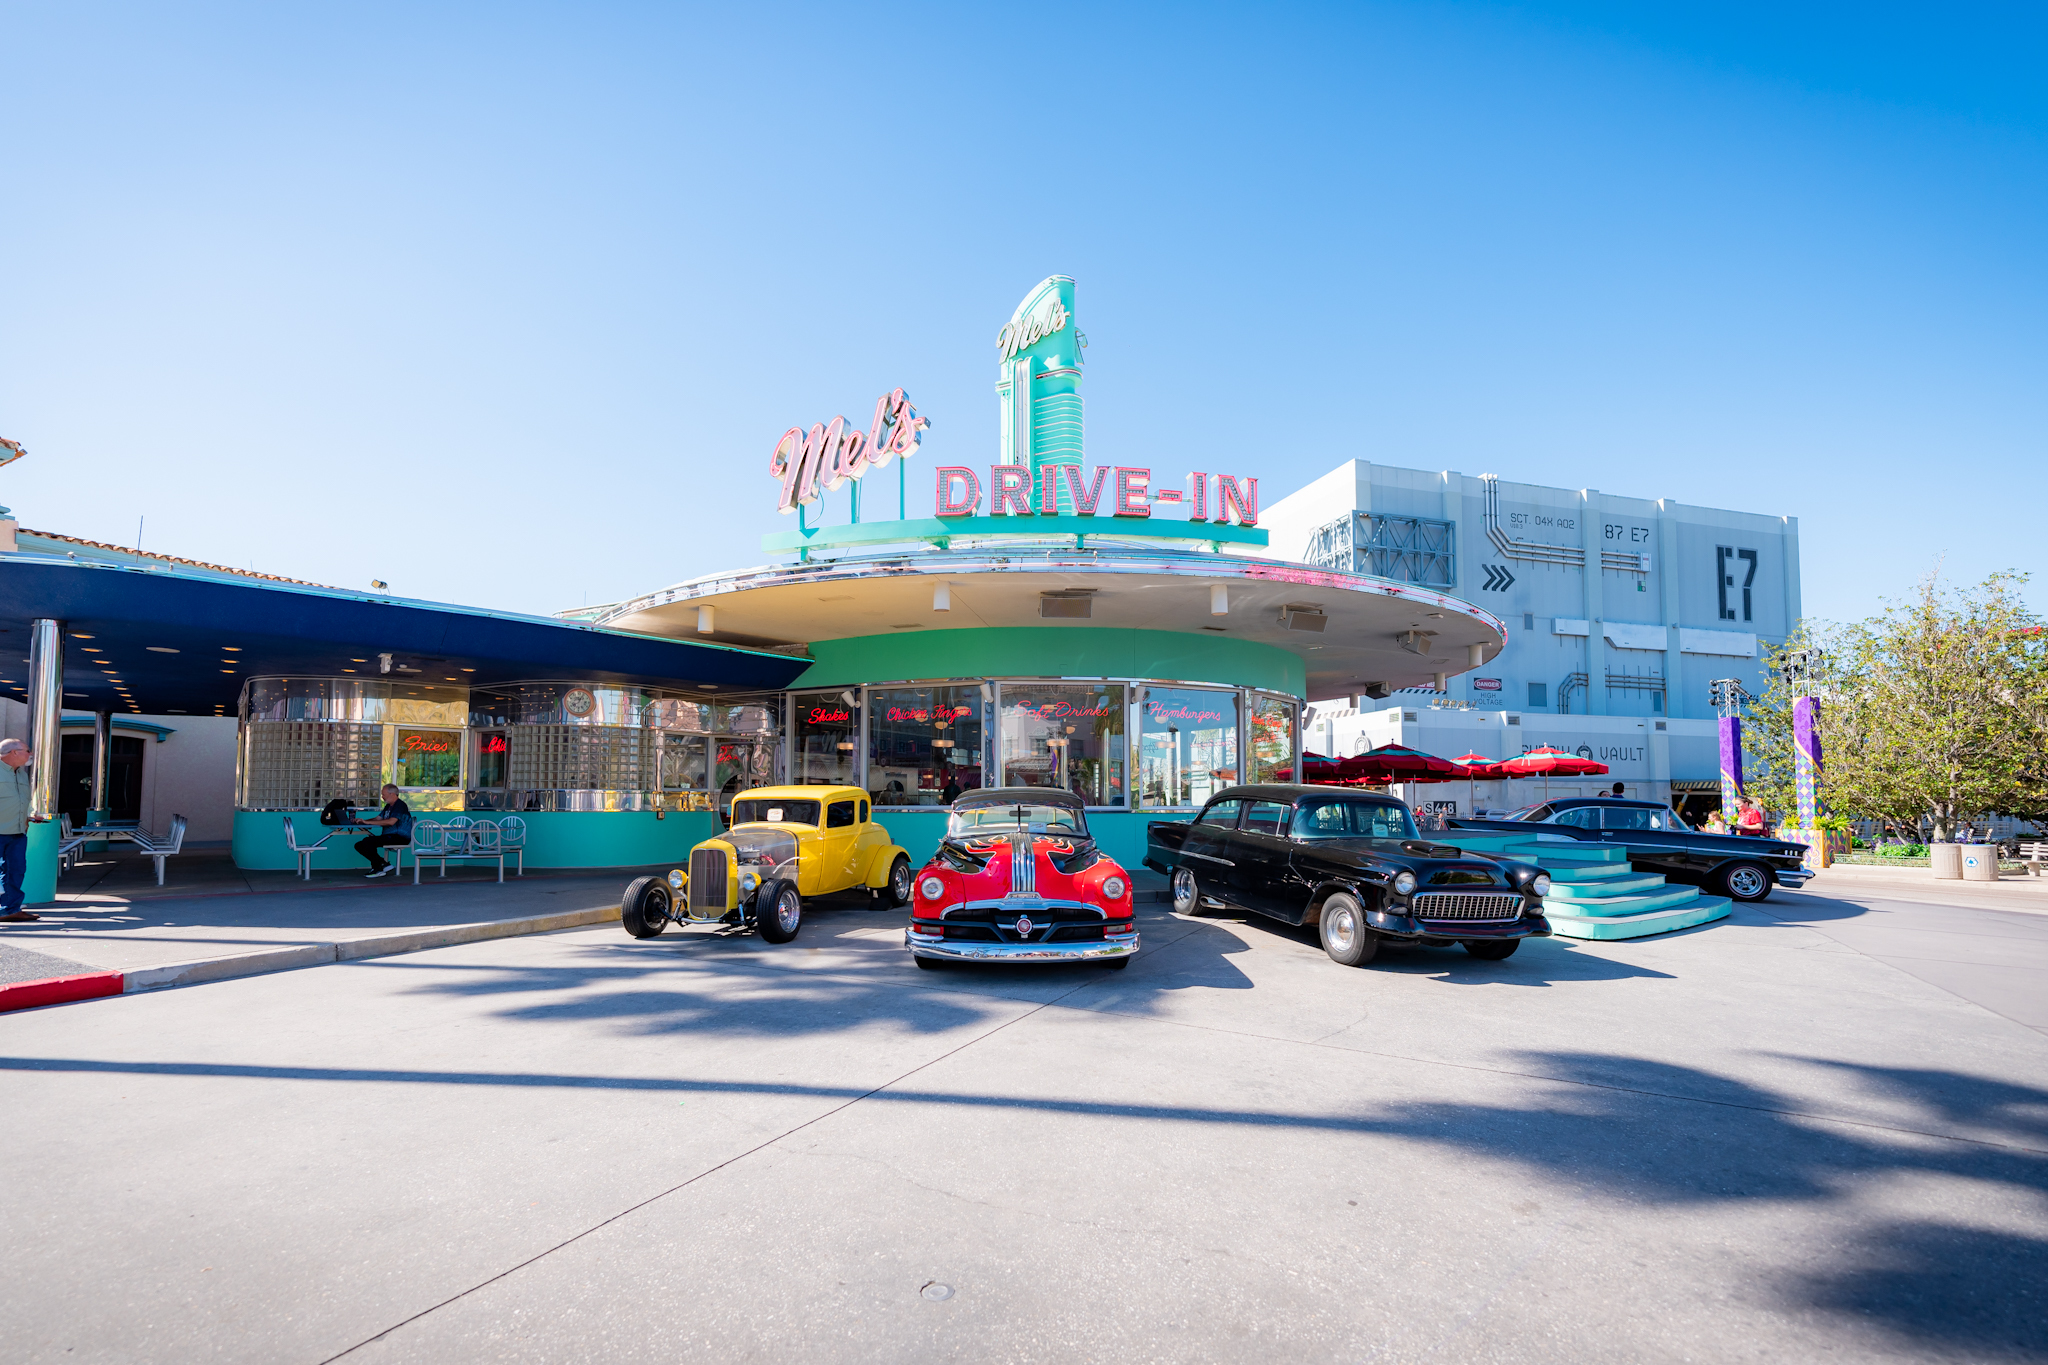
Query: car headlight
point(932, 888)
point(749, 880)
point(1113, 887)
point(1404, 883)
point(1540, 883)
point(675, 879)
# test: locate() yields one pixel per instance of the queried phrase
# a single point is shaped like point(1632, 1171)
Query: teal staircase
point(1594, 893)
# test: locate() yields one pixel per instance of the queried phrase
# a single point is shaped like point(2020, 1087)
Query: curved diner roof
point(1375, 630)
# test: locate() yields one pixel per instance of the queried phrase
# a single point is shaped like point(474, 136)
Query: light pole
point(1728, 695)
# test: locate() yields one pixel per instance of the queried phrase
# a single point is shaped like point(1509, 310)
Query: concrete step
point(1660, 897)
point(1702, 910)
point(1604, 888)
point(1586, 874)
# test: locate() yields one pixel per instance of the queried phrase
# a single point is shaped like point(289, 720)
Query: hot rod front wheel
point(644, 910)
point(897, 892)
point(780, 913)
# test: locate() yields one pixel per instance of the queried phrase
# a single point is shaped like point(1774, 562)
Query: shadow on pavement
point(1630, 1128)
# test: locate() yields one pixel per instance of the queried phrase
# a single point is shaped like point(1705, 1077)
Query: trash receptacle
point(1980, 862)
point(1947, 861)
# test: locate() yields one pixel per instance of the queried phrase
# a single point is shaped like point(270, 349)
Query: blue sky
point(506, 305)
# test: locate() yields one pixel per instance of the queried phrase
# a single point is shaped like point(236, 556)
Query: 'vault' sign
point(831, 454)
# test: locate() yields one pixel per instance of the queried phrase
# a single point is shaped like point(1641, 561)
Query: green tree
point(1937, 707)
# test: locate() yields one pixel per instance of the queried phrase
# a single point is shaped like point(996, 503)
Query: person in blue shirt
point(395, 820)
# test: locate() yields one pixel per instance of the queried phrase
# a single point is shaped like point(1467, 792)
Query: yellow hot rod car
point(785, 844)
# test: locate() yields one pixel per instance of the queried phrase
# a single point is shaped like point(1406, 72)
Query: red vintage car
point(1018, 879)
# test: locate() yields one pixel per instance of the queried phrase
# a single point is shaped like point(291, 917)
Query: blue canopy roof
point(182, 641)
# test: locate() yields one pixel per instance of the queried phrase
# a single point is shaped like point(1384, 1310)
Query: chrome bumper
point(1793, 880)
point(956, 950)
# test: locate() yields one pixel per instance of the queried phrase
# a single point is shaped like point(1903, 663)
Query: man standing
point(17, 792)
point(396, 822)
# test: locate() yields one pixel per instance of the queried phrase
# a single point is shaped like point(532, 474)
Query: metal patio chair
point(304, 852)
point(160, 849)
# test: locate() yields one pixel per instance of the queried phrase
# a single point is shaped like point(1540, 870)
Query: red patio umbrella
point(1476, 766)
point(1543, 761)
point(1395, 763)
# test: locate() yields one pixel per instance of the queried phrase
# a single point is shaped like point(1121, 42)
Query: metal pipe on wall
point(45, 713)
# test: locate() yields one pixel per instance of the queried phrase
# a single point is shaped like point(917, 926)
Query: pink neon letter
point(1130, 492)
point(1235, 499)
point(1009, 491)
point(1085, 500)
point(943, 502)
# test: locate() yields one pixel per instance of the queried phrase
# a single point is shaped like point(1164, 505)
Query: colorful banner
point(1731, 766)
point(1806, 760)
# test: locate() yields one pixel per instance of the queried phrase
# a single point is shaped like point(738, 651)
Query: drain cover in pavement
point(936, 1292)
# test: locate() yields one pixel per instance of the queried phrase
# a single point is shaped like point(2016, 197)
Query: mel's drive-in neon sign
point(1040, 471)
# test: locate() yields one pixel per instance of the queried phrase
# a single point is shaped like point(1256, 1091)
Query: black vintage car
point(1350, 863)
point(1738, 866)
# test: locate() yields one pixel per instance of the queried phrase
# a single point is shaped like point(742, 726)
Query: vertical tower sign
point(1039, 385)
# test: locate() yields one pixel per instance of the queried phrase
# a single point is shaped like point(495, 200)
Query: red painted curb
point(58, 990)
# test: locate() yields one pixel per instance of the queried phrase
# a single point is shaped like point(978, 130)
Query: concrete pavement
point(1756, 1141)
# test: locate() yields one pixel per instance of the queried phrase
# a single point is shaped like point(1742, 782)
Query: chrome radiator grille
point(1023, 865)
point(707, 879)
point(1466, 905)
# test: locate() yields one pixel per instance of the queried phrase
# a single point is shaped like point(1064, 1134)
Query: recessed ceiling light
point(160, 649)
point(91, 649)
point(227, 670)
point(348, 670)
point(469, 670)
point(359, 661)
point(76, 636)
point(234, 648)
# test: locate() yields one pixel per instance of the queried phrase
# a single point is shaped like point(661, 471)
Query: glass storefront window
point(827, 736)
point(682, 762)
point(429, 758)
point(924, 744)
point(1270, 735)
point(1187, 745)
point(493, 748)
point(742, 765)
point(1066, 735)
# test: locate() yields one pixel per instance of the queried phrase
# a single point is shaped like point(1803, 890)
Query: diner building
point(1127, 633)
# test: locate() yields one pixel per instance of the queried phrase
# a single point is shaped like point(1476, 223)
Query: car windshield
point(1008, 819)
point(1521, 814)
point(774, 810)
point(1353, 820)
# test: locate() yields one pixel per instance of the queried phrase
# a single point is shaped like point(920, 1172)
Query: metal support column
point(45, 712)
point(46, 738)
point(102, 756)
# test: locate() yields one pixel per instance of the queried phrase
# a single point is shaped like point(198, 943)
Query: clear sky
point(507, 304)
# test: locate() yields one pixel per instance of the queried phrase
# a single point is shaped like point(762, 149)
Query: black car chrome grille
point(1462, 905)
point(707, 879)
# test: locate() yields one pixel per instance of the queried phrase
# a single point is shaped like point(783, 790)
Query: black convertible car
point(1351, 864)
point(1738, 866)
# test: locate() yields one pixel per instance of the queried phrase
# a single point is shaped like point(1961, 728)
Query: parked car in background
point(1351, 864)
point(1741, 867)
point(785, 844)
point(1018, 878)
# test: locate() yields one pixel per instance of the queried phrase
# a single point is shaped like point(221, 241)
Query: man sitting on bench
point(396, 822)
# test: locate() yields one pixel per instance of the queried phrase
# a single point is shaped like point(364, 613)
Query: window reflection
point(1066, 735)
point(1187, 745)
point(924, 745)
point(826, 735)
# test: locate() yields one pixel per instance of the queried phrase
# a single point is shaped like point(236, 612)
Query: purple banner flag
point(1731, 765)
